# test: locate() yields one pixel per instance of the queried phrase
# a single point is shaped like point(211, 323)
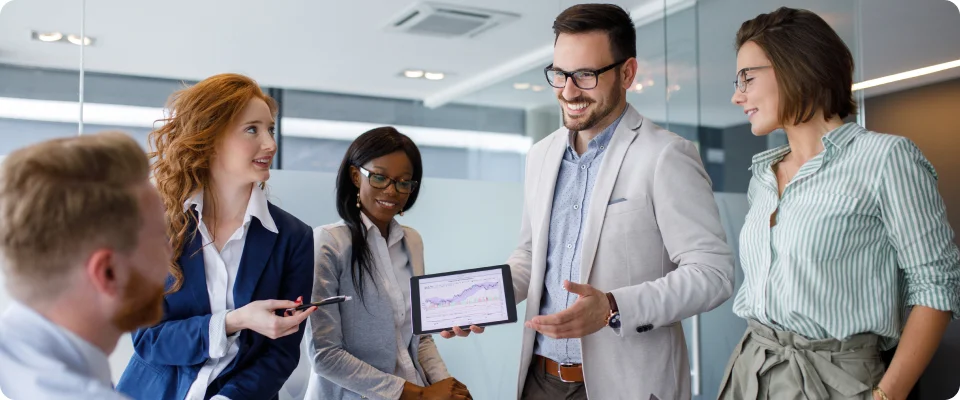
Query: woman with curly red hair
point(237, 257)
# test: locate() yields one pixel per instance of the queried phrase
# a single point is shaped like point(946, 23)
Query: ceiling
point(336, 46)
point(344, 47)
point(895, 36)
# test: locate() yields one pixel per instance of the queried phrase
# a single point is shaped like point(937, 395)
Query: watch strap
point(613, 302)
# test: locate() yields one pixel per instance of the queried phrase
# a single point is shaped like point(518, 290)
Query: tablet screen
point(482, 296)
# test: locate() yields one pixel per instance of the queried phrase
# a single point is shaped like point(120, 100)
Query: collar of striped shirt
point(834, 140)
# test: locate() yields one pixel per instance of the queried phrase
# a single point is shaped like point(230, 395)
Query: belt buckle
point(560, 367)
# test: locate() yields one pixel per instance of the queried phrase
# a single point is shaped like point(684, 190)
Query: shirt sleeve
point(219, 341)
point(915, 219)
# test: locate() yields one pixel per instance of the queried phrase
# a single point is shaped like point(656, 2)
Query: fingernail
point(300, 299)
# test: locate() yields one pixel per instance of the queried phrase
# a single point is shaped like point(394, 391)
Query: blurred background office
point(465, 80)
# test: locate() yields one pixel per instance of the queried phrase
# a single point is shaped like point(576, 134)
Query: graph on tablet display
point(472, 298)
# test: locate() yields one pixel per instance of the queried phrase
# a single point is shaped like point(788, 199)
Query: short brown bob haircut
point(814, 68)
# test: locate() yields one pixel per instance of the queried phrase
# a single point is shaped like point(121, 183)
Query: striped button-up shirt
point(860, 236)
point(571, 200)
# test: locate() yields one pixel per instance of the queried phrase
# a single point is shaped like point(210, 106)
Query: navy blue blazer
point(168, 356)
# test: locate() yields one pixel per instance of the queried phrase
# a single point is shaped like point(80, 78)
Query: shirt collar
point(395, 230)
point(601, 141)
point(843, 135)
point(770, 156)
point(257, 207)
point(96, 364)
point(834, 140)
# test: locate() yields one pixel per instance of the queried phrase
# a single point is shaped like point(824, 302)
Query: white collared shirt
point(390, 258)
point(221, 268)
point(42, 360)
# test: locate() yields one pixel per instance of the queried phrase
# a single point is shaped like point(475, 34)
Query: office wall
point(740, 145)
point(720, 329)
point(929, 116)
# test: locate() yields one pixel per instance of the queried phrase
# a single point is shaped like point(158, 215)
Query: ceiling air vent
point(448, 20)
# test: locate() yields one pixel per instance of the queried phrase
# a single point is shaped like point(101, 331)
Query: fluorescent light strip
point(344, 130)
point(146, 117)
point(68, 111)
point(906, 75)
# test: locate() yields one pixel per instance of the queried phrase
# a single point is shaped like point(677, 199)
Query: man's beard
point(142, 304)
point(591, 120)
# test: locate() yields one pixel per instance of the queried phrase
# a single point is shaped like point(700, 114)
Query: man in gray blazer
point(620, 238)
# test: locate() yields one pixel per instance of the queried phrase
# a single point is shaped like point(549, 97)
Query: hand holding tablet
point(465, 300)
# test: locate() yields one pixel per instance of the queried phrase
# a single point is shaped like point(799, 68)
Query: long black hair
point(372, 144)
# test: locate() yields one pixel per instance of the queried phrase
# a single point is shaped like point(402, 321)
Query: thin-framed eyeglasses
point(380, 181)
point(585, 79)
point(741, 82)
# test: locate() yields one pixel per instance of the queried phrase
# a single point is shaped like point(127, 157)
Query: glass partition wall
point(471, 94)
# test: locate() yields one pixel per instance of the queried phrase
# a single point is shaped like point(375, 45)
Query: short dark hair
point(373, 144)
point(607, 18)
point(814, 68)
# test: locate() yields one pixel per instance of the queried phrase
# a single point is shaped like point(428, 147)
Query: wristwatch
point(613, 319)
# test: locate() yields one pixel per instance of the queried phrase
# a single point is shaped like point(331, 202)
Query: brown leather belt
point(566, 372)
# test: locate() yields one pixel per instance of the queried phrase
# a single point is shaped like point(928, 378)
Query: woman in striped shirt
point(846, 231)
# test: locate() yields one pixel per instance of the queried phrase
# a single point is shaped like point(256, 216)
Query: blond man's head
point(78, 217)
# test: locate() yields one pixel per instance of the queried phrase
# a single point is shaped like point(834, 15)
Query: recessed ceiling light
point(433, 76)
point(75, 39)
point(49, 36)
point(537, 88)
point(521, 86)
point(413, 73)
point(638, 87)
point(649, 82)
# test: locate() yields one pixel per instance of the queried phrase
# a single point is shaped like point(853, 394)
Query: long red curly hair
point(183, 148)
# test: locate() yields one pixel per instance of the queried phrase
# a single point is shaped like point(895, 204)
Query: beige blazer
point(652, 237)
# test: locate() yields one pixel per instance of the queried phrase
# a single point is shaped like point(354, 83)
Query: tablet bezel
point(507, 294)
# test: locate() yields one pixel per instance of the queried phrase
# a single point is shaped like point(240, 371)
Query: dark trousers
point(541, 386)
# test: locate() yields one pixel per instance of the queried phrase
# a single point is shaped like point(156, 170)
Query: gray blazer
point(652, 237)
point(354, 344)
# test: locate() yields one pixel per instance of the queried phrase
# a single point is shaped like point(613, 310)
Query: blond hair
point(63, 198)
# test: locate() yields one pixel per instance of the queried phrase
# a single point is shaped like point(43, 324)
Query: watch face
point(614, 320)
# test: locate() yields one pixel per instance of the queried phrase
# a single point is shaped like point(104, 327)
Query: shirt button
point(569, 246)
point(576, 207)
point(601, 147)
point(583, 167)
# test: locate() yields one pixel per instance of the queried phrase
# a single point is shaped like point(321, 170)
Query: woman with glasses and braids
point(846, 231)
point(366, 348)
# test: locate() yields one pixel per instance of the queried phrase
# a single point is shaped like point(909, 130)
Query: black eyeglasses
point(741, 82)
point(584, 79)
point(379, 181)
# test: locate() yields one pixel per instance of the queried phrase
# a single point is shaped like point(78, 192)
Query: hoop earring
point(358, 199)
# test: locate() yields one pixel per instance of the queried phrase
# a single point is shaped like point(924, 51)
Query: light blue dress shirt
point(571, 199)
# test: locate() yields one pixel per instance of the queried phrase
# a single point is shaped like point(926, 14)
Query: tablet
point(479, 296)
